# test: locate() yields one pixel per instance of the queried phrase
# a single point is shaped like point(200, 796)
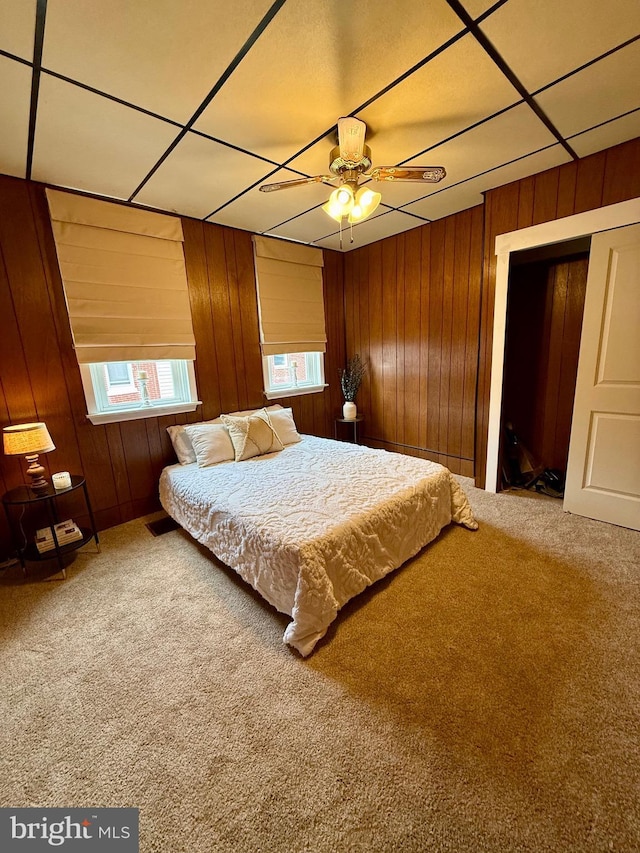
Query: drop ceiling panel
point(611, 133)
point(595, 94)
point(201, 175)
point(87, 142)
point(15, 86)
point(256, 211)
point(317, 62)
point(18, 22)
point(163, 56)
point(433, 104)
point(513, 134)
point(543, 40)
point(469, 193)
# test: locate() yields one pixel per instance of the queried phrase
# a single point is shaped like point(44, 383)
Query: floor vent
point(162, 525)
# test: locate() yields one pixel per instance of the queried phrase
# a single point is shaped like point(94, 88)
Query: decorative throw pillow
point(252, 436)
point(285, 426)
point(211, 443)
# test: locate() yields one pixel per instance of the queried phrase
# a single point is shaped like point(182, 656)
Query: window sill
point(294, 392)
point(137, 414)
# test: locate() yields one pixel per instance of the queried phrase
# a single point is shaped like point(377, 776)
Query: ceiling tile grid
point(314, 64)
point(543, 40)
point(189, 107)
point(84, 141)
point(163, 56)
point(602, 91)
point(199, 175)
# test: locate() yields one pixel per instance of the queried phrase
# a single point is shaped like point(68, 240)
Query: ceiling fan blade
point(298, 182)
point(428, 174)
point(351, 133)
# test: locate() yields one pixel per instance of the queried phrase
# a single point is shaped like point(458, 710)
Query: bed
point(311, 525)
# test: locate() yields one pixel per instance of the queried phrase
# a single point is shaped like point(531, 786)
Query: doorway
point(545, 234)
point(545, 306)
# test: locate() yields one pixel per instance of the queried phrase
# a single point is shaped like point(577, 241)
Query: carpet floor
point(485, 697)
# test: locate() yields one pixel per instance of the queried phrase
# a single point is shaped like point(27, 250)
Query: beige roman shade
point(290, 299)
point(124, 280)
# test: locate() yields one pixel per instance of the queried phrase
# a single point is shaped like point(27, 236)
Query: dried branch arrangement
point(351, 378)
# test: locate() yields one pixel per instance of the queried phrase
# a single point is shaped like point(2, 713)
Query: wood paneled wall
point(544, 323)
point(412, 312)
point(418, 307)
point(601, 179)
point(40, 379)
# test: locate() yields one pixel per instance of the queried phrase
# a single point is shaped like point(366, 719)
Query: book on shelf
point(66, 532)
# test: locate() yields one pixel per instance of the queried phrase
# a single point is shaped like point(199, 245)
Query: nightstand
point(354, 423)
point(17, 502)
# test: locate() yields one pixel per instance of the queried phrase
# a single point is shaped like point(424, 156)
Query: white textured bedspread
point(315, 524)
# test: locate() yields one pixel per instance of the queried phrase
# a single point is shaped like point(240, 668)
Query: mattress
point(313, 525)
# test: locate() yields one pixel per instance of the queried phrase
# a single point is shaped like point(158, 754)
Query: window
point(127, 297)
point(288, 374)
point(119, 373)
point(118, 391)
point(291, 314)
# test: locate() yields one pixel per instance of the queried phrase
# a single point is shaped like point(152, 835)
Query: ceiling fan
point(350, 160)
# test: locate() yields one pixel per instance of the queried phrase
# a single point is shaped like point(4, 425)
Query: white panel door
point(603, 471)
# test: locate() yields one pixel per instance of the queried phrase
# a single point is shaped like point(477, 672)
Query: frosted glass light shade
point(340, 203)
point(365, 203)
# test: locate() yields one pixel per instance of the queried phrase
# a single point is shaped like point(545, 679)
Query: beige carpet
point(486, 697)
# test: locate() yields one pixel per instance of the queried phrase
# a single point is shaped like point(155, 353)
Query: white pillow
point(182, 443)
point(211, 443)
point(285, 426)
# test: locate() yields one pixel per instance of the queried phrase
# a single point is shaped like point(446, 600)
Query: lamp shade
point(23, 439)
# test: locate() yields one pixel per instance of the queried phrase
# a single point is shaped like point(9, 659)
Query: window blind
point(290, 298)
point(124, 280)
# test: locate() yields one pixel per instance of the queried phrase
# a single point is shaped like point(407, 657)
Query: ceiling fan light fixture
point(349, 161)
point(340, 203)
point(365, 203)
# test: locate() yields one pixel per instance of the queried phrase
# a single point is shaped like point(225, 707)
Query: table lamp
point(29, 440)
